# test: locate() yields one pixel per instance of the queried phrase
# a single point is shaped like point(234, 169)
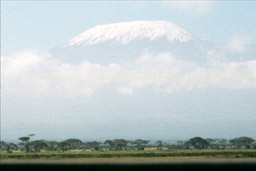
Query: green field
point(79, 156)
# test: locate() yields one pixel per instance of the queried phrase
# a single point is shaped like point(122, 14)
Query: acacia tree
point(180, 144)
point(2, 145)
point(120, 143)
point(212, 143)
point(64, 145)
point(159, 144)
point(74, 143)
point(242, 141)
point(25, 141)
point(38, 145)
point(93, 145)
point(52, 145)
point(10, 147)
point(140, 143)
point(198, 143)
point(109, 143)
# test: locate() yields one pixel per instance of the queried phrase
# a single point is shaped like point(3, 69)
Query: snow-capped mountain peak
point(126, 32)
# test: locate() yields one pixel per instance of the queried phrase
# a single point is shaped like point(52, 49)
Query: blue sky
point(33, 102)
point(43, 25)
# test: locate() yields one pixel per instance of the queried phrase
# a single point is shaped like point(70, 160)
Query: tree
point(140, 143)
point(254, 145)
point(38, 145)
point(242, 141)
point(52, 145)
point(8, 146)
point(25, 141)
point(74, 143)
point(109, 143)
point(212, 143)
point(181, 143)
point(197, 142)
point(64, 145)
point(11, 146)
point(3, 145)
point(222, 141)
point(159, 144)
point(120, 143)
point(93, 145)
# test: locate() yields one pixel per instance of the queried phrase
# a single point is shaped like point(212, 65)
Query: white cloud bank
point(239, 43)
point(33, 73)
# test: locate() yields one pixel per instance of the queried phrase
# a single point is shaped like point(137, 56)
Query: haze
point(106, 70)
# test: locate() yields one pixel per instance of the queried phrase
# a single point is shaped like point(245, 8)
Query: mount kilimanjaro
point(125, 41)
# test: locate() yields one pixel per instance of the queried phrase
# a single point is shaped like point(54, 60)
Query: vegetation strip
point(234, 154)
point(241, 147)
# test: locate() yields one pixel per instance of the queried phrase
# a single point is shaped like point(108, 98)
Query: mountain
point(125, 41)
point(127, 32)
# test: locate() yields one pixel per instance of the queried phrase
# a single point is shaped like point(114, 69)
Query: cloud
point(37, 74)
point(198, 7)
point(239, 43)
point(125, 90)
point(169, 74)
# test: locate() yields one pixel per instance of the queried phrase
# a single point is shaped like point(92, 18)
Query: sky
point(131, 108)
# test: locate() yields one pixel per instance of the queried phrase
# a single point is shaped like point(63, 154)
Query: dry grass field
point(129, 160)
point(131, 156)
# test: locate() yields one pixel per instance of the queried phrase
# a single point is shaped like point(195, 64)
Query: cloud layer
point(239, 43)
point(38, 74)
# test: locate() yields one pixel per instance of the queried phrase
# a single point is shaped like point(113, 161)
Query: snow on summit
point(126, 32)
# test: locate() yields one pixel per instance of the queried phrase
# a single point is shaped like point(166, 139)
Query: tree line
point(27, 145)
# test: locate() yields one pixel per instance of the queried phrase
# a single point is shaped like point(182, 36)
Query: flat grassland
point(79, 156)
